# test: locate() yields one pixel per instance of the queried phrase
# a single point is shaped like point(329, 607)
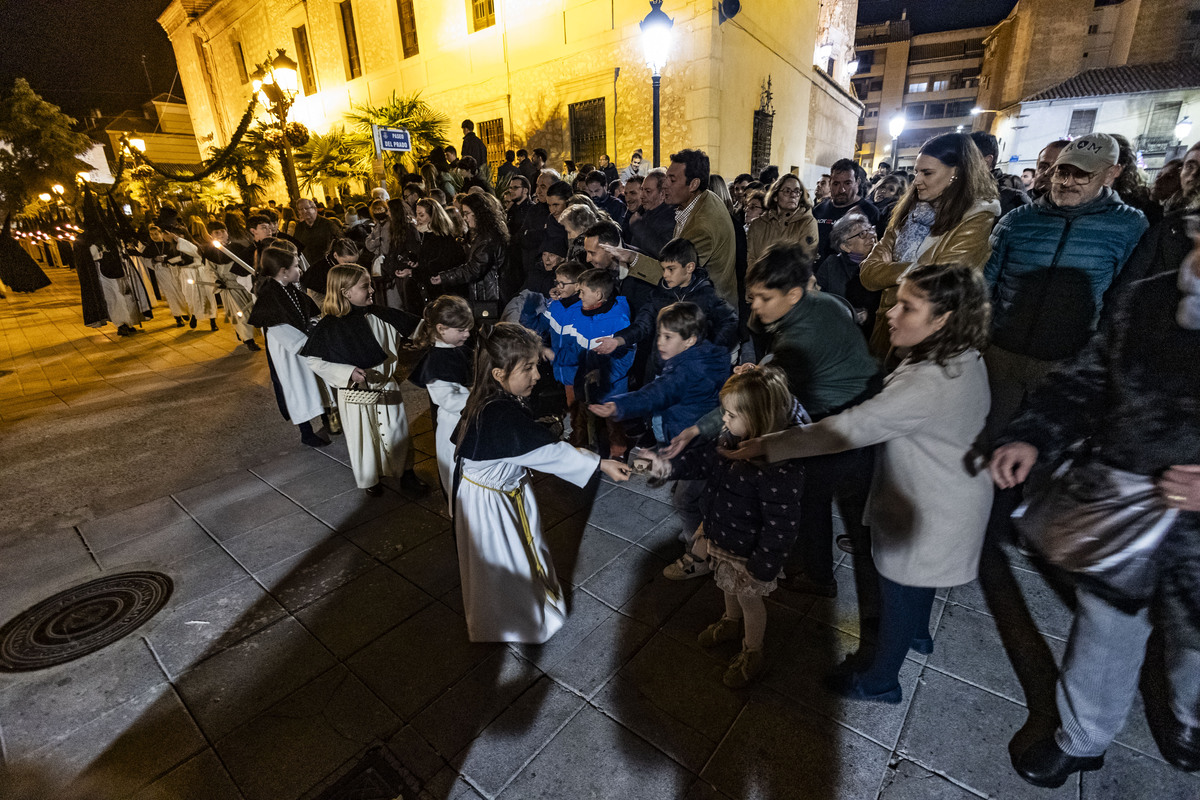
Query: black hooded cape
point(348, 339)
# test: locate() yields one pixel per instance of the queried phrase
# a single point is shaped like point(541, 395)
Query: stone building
point(931, 78)
point(162, 126)
point(1143, 102)
point(1044, 42)
point(567, 75)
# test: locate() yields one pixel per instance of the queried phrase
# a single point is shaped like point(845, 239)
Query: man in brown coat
point(702, 219)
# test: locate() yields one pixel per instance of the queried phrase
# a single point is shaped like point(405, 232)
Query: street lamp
point(138, 144)
point(895, 128)
point(44, 197)
point(276, 82)
point(656, 41)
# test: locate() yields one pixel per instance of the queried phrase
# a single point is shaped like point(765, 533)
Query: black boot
point(1045, 764)
point(310, 438)
point(192, 322)
point(212, 324)
point(124, 330)
point(1179, 744)
point(179, 322)
point(252, 345)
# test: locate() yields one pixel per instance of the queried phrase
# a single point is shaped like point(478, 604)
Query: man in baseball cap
point(1084, 167)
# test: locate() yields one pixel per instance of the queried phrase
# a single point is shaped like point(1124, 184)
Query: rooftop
point(1128, 79)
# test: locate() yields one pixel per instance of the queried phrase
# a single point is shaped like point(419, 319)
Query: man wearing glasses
point(1051, 263)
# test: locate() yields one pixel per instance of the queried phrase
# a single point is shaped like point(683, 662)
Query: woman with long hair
point(945, 217)
point(440, 248)
point(400, 258)
point(787, 218)
point(930, 494)
point(487, 251)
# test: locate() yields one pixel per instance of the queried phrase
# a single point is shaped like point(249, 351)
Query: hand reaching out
point(748, 449)
point(1180, 485)
point(608, 344)
point(680, 442)
point(436, 280)
point(615, 469)
point(621, 254)
point(1011, 463)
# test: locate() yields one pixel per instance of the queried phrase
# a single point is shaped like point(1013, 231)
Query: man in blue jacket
point(1051, 263)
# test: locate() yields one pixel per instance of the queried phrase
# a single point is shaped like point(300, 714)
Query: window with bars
point(483, 14)
point(239, 58)
point(492, 133)
point(1083, 121)
point(760, 141)
point(350, 40)
point(408, 28)
point(308, 78)
point(589, 131)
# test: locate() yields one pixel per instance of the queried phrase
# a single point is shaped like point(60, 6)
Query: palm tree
point(249, 167)
point(327, 161)
point(425, 125)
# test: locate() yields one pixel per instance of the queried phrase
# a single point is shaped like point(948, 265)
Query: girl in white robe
point(198, 281)
point(444, 370)
point(357, 345)
point(155, 253)
point(286, 314)
point(510, 590)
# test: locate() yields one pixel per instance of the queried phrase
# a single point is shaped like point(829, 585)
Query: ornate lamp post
point(656, 41)
point(895, 128)
point(276, 82)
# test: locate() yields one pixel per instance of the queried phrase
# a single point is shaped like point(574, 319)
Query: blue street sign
point(1013, 159)
point(396, 139)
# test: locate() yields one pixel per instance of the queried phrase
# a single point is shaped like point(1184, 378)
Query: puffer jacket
point(965, 244)
point(773, 227)
point(480, 274)
point(1049, 270)
point(722, 318)
point(687, 389)
point(750, 508)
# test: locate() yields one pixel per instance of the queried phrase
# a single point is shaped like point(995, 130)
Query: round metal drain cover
point(81, 620)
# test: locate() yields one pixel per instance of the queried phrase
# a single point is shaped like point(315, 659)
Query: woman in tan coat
point(930, 497)
point(788, 218)
point(945, 217)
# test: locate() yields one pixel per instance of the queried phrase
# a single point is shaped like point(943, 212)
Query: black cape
point(273, 307)
point(452, 364)
point(18, 270)
point(95, 309)
point(348, 339)
point(503, 428)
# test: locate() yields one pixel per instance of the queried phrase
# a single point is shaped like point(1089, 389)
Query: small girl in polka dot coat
point(751, 511)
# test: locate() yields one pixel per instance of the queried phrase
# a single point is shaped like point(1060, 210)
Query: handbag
point(1100, 522)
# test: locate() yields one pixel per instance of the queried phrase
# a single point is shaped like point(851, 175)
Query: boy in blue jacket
point(600, 312)
point(694, 370)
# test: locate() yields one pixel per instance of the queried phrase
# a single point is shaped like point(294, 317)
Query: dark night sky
point(82, 54)
point(928, 16)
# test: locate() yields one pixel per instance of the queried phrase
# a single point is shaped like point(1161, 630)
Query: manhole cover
point(81, 620)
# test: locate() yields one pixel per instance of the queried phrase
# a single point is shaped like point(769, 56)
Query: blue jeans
point(903, 618)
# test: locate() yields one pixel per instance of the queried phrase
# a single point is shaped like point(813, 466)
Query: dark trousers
point(823, 476)
point(904, 617)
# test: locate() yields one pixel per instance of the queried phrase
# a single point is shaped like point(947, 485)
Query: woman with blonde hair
point(787, 218)
point(945, 217)
point(356, 346)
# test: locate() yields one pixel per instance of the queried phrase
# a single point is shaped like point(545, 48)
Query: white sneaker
point(686, 566)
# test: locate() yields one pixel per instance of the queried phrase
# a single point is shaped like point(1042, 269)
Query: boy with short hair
point(600, 312)
point(682, 281)
point(694, 370)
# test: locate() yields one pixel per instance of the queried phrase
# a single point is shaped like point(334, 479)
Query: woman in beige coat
point(788, 218)
point(945, 217)
point(929, 501)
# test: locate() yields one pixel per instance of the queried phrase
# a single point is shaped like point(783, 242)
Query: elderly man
point(1131, 393)
point(314, 232)
point(1051, 264)
point(655, 224)
point(702, 219)
point(847, 192)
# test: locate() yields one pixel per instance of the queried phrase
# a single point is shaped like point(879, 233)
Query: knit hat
point(1091, 153)
point(555, 241)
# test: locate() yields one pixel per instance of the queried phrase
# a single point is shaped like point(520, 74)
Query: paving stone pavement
point(310, 623)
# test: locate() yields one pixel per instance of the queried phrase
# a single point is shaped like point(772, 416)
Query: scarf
point(1188, 313)
point(855, 258)
point(913, 232)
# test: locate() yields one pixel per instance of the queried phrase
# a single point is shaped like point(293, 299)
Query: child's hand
point(547, 354)
point(615, 469)
point(436, 280)
point(744, 368)
point(603, 409)
point(681, 441)
point(660, 467)
point(358, 375)
point(404, 273)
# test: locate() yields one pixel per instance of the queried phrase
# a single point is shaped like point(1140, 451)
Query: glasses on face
point(867, 232)
point(1065, 173)
point(564, 284)
point(793, 191)
point(754, 207)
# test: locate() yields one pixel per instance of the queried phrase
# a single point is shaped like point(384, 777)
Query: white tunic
point(303, 392)
point(238, 301)
point(510, 590)
point(118, 296)
point(376, 436)
point(450, 399)
point(196, 278)
point(167, 277)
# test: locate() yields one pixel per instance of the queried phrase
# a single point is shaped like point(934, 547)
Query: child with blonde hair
point(750, 510)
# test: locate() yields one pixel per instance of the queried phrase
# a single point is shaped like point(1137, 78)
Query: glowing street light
point(277, 81)
point(44, 197)
point(895, 128)
point(138, 144)
point(656, 42)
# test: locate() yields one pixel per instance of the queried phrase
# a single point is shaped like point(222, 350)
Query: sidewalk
point(310, 624)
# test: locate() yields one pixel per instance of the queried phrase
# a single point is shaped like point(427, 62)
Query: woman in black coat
point(440, 249)
point(487, 251)
point(851, 241)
